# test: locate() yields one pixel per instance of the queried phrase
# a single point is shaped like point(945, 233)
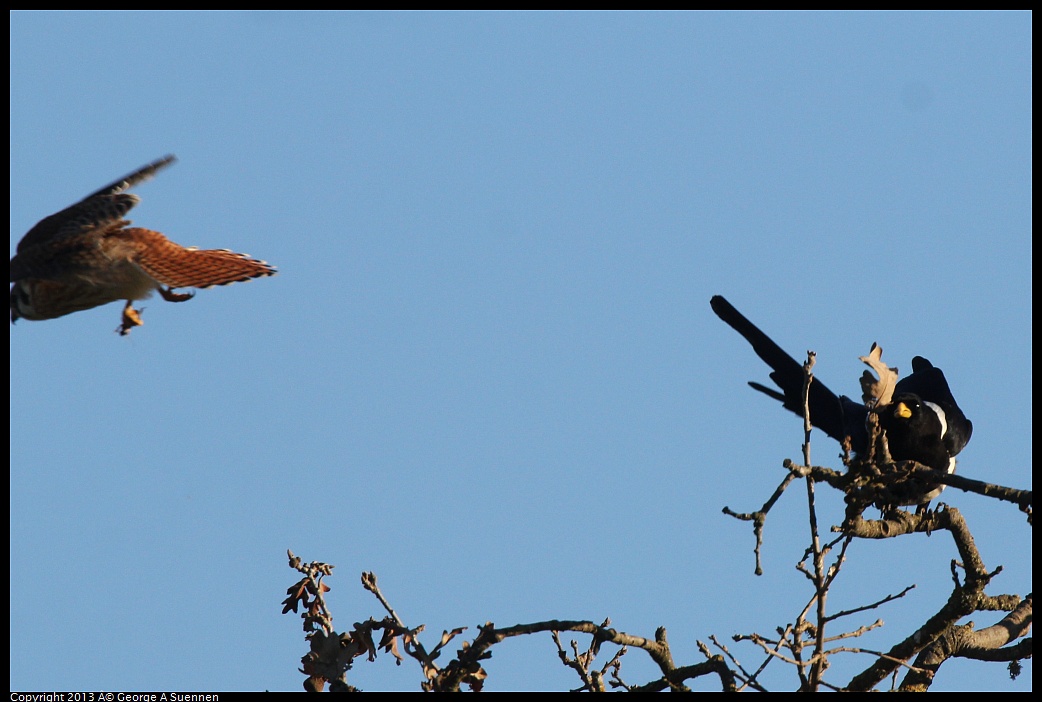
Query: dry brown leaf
point(447, 636)
point(297, 593)
point(363, 636)
point(392, 647)
point(877, 391)
point(476, 679)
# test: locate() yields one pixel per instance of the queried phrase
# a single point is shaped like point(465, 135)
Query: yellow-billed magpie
point(922, 423)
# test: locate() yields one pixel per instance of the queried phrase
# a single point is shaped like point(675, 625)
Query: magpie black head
point(931, 432)
point(915, 431)
point(922, 423)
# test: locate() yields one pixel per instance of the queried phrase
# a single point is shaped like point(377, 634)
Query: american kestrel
point(88, 255)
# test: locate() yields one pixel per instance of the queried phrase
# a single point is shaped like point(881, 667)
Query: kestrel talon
point(88, 255)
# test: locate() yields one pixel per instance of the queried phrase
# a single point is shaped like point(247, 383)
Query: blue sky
point(488, 370)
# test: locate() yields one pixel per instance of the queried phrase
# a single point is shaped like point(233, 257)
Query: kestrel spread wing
point(87, 255)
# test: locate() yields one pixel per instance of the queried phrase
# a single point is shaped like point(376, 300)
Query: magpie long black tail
point(826, 409)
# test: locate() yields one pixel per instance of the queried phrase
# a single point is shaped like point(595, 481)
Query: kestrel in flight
point(88, 255)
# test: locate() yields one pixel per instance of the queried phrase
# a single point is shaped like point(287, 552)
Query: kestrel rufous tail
point(87, 255)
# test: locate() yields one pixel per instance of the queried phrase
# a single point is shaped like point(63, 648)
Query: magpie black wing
point(928, 382)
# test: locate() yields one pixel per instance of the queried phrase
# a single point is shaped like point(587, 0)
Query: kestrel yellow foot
point(131, 319)
point(169, 295)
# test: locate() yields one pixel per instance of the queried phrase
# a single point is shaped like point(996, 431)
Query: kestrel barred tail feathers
point(87, 255)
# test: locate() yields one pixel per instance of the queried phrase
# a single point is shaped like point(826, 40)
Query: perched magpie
point(922, 423)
